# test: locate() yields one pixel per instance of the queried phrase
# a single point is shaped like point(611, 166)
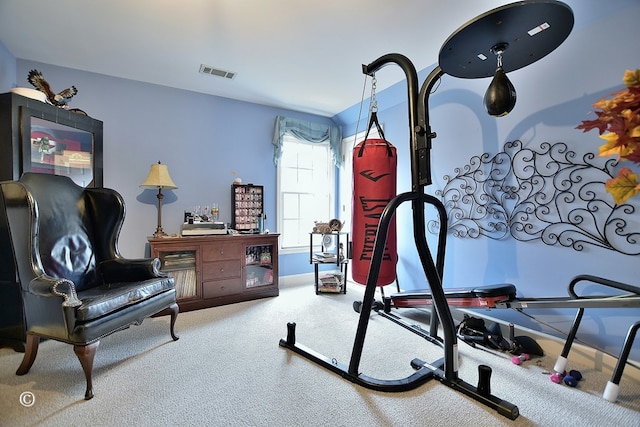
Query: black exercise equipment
point(531, 29)
point(613, 294)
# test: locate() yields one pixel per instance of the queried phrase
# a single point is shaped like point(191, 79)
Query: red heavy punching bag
point(374, 185)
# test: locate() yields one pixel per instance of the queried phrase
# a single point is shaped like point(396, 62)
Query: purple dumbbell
point(517, 360)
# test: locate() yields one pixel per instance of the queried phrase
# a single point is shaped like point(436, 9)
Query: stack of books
point(325, 257)
point(330, 282)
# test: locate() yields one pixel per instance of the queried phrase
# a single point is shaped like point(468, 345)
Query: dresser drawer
point(221, 251)
point(221, 269)
point(220, 288)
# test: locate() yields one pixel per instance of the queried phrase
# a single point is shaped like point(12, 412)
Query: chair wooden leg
point(174, 315)
point(30, 354)
point(86, 354)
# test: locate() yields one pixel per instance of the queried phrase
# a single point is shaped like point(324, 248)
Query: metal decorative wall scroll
point(543, 194)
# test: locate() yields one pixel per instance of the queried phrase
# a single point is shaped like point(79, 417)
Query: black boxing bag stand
point(534, 28)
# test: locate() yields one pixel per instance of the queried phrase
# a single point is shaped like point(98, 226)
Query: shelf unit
point(219, 269)
point(38, 137)
point(333, 250)
point(247, 207)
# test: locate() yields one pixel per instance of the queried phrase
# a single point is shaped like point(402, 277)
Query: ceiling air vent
point(208, 69)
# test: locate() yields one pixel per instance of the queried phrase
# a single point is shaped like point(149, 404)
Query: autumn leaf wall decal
point(618, 123)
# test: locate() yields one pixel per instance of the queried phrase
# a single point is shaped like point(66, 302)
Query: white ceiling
point(303, 55)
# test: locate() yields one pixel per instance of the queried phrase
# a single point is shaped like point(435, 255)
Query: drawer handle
point(221, 252)
point(222, 270)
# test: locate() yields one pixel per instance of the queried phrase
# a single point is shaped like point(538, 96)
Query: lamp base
point(159, 233)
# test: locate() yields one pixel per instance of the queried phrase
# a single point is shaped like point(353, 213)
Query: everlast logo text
point(372, 209)
point(369, 175)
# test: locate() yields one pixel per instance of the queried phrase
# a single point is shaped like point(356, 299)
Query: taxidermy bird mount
point(58, 99)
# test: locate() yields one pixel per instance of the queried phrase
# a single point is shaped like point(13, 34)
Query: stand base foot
point(482, 393)
point(424, 372)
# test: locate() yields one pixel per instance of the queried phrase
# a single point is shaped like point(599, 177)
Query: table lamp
point(159, 178)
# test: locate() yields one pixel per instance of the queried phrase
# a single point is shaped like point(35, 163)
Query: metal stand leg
point(561, 363)
point(613, 386)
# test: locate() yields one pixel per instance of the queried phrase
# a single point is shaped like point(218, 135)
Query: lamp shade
point(159, 177)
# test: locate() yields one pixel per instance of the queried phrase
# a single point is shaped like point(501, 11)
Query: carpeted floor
point(228, 369)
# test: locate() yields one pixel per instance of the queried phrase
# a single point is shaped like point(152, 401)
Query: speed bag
point(374, 185)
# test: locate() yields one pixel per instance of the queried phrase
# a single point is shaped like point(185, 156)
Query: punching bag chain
point(364, 87)
point(373, 106)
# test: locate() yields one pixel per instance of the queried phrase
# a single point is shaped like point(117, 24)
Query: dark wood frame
point(15, 134)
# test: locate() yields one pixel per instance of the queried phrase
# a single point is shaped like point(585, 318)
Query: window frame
point(303, 246)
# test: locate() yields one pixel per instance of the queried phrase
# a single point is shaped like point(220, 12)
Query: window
point(306, 188)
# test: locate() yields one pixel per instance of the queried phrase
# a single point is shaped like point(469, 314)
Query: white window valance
point(306, 131)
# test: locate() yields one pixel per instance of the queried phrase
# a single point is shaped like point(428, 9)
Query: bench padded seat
point(478, 296)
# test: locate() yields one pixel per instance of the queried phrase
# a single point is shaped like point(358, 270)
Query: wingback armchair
point(75, 285)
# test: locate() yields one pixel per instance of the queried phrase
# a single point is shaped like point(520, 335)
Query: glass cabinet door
point(181, 265)
point(258, 266)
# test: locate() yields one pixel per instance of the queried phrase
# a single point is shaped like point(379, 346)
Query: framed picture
point(55, 141)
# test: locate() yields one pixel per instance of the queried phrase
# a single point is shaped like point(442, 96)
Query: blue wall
point(554, 95)
point(7, 68)
point(208, 141)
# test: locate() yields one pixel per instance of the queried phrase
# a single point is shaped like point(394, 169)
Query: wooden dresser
point(220, 269)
